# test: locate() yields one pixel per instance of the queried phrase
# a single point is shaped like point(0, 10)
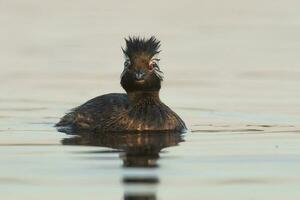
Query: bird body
point(140, 109)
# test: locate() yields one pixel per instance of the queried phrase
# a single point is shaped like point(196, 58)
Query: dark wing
point(92, 113)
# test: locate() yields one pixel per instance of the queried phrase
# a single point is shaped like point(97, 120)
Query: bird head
point(141, 66)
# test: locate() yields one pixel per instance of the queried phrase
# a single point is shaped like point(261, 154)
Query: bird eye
point(127, 63)
point(152, 64)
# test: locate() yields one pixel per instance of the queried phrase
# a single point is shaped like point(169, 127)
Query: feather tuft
point(136, 45)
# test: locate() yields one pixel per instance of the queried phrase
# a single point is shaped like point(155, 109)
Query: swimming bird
point(139, 109)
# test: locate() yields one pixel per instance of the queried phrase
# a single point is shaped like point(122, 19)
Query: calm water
point(232, 73)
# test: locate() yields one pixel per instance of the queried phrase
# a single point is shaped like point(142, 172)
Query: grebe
point(140, 109)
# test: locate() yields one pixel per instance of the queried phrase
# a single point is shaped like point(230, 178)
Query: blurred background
point(229, 66)
point(237, 56)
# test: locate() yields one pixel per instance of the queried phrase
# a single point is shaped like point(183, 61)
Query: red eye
point(150, 66)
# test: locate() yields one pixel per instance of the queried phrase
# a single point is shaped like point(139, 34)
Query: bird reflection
point(137, 150)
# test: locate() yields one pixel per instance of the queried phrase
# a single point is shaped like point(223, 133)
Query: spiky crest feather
point(135, 45)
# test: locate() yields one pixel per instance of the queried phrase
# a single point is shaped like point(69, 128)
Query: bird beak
point(139, 75)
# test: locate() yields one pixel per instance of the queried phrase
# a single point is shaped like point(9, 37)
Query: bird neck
point(137, 97)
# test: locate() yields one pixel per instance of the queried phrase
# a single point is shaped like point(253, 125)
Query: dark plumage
point(136, 45)
point(140, 109)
